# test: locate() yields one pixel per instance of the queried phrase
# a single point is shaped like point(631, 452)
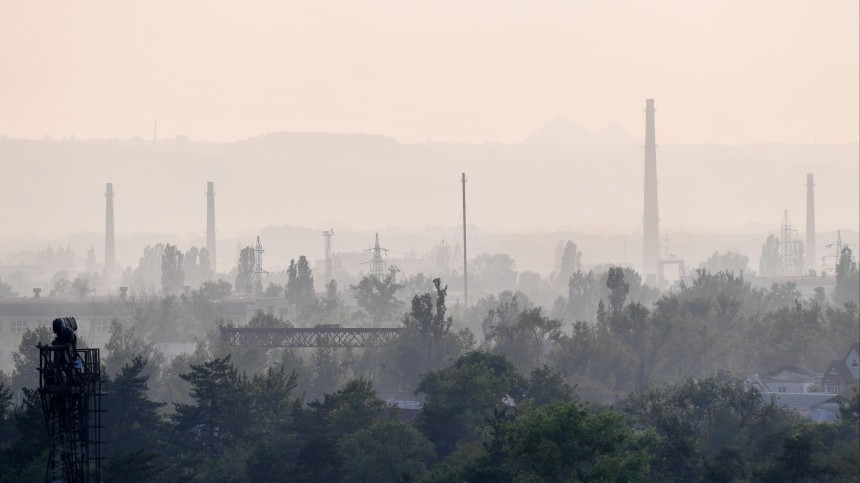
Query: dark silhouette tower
point(110, 245)
point(810, 223)
point(210, 223)
point(651, 221)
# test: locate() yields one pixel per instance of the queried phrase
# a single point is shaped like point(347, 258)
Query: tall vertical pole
point(465, 254)
point(810, 223)
point(110, 247)
point(210, 222)
point(329, 270)
point(651, 221)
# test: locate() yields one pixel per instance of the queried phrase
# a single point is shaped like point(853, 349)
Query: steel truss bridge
point(321, 336)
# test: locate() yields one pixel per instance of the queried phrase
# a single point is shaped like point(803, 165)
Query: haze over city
point(489, 76)
point(430, 241)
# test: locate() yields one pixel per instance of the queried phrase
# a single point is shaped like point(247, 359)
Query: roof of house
point(792, 373)
point(837, 373)
point(804, 400)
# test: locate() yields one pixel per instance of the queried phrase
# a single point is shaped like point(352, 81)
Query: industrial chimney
point(651, 221)
point(110, 247)
point(210, 222)
point(810, 223)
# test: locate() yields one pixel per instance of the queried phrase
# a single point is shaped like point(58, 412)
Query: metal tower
point(465, 257)
point(329, 271)
point(110, 246)
point(651, 220)
point(810, 223)
point(790, 249)
point(258, 268)
point(70, 390)
point(210, 223)
point(377, 264)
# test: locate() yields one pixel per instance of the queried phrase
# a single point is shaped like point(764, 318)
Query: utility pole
point(329, 276)
point(465, 256)
point(810, 224)
point(110, 244)
point(210, 224)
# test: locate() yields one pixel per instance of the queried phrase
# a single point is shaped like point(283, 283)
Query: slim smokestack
point(651, 221)
point(110, 246)
point(210, 223)
point(465, 255)
point(810, 223)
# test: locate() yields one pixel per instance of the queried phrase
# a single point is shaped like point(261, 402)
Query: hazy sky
point(722, 72)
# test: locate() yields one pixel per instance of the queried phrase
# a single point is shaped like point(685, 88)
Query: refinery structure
point(787, 255)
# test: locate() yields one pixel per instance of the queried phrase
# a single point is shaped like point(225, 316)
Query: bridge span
point(320, 336)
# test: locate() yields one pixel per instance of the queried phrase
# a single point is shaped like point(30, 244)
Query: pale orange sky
point(722, 72)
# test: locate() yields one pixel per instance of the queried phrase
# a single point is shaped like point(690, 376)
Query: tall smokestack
point(110, 246)
point(210, 222)
point(810, 223)
point(651, 221)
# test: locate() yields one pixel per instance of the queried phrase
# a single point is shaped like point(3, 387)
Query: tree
point(26, 359)
point(693, 421)
point(266, 320)
point(493, 273)
point(172, 274)
point(81, 287)
point(271, 392)
point(569, 442)
point(61, 287)
point(460, 397)
point(300, 283)
point(546, 386)
point(132, 421)
point(24, 459)
point(5, 289)
point(847, 279)
point(618, 288)
point(525, 340)
point(216, 291)
point(220, 414)
point(149, 270)
point(245, 271)
point(124, 346)
point(387, 451)
point(133, 466)
point(352, 408)
point(377, 297)
point(5, 406)
point(274, 290)
point(428, 319)
point(732, 262)
point(583, 293)
point(569, 262)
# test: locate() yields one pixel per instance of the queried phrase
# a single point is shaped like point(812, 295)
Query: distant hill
point(562, 131)
point(559, 131)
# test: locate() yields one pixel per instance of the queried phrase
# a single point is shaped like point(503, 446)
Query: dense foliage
point(615, 382)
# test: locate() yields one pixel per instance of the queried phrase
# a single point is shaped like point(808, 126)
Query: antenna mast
point(465, 257)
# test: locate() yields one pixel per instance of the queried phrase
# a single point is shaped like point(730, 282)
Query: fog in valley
point(255, 216)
